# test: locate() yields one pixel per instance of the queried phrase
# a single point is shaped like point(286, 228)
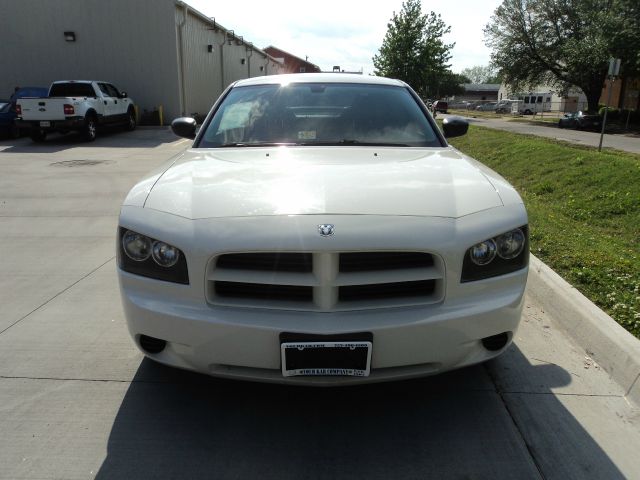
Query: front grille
point(325, 281)
point(370, 261)
point(263, 291)
point(386, 290)
point(283, 262)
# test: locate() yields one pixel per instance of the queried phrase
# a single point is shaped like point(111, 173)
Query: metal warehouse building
point(161, 52)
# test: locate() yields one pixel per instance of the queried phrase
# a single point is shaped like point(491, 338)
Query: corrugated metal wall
point(128, 42)
point(208, 73)
point(136, 44)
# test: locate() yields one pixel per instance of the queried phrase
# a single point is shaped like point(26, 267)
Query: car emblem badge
point(326, 230)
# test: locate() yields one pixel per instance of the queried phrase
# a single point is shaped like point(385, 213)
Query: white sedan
point(320, 230)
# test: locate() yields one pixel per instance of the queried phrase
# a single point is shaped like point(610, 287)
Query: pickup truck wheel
point(89, 130)
point(38, 135)
point(131, 121)
point(14, 132)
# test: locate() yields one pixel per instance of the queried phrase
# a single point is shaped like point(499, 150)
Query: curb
point(604, 340)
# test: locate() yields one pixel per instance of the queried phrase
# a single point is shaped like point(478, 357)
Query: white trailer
point(535, 102)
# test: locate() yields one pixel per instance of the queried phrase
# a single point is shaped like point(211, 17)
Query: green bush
point(613, 114)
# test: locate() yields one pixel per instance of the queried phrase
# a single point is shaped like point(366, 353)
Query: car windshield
point(4, 107)
point(319, 114)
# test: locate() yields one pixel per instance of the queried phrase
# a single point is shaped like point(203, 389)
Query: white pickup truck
point(78, 105)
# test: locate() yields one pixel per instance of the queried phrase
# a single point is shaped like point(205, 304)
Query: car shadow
point(175, 424)
point(144, 137)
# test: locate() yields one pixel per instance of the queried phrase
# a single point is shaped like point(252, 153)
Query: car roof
point(319, 78)
point(78, 81)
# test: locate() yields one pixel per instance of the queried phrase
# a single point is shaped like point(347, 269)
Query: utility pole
point(614, 70)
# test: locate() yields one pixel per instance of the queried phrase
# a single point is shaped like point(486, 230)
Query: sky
point(347, 33)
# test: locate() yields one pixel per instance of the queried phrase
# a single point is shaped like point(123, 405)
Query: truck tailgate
point(43, 108)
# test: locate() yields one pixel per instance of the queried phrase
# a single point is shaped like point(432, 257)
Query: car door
point(120, 105)
point(109, 103)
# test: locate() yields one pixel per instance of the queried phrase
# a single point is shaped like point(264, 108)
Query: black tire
point(38, 135)
point(131, 121)
point(89, 131)
point(13, 132)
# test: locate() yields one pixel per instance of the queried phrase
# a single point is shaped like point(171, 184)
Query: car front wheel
point(131, 121)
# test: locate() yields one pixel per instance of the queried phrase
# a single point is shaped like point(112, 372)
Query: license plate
point(326, 358)
point(45, 124)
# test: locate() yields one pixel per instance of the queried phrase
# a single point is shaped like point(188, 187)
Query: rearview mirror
point(184, 127)
point(123, 95)
point(454, 127)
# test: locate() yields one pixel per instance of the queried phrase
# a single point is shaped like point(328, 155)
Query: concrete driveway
point(626, 143)
point(78, 401)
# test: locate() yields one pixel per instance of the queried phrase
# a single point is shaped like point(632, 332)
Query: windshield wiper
point(255, 144)
point(348, 141)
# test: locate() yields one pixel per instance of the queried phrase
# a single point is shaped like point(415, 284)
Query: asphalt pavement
point(626, 143)
point(78, 401)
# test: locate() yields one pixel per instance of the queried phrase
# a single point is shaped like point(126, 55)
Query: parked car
point(440, 106)
point(580, 121)
point(486, 107)
point(321, 230)
point(8, 109)
point(24, 92)
point(77, 105)
point(7, 117)
point(503, 107)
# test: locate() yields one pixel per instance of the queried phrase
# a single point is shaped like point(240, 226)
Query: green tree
point(481, 74)
point(564, 43)
point(413, 50)
point(450, 83)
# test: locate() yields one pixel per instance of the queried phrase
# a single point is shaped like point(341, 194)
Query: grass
point(584, 212)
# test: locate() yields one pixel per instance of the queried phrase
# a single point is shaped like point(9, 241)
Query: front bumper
point(244, 341)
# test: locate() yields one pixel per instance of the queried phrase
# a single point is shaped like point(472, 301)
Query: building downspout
point(183, 93)
point(224, 40)
point(249, 55)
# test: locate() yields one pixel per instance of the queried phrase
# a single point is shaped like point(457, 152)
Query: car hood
point(249, 181)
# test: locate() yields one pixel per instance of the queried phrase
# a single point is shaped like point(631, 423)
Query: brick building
point(292, 64)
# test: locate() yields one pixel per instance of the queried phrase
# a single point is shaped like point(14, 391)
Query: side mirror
point(184, 127)
point(123, 95)
point(454, 127)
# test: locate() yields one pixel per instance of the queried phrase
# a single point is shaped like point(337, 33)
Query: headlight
point(483, 252)
point(510, 244)
point(148, 257)
point(496, 256)
point(136, 246)
point(165, 255)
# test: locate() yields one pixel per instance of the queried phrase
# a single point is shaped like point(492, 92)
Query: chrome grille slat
point(275, 278)
point(388, 276)
point(331, 281)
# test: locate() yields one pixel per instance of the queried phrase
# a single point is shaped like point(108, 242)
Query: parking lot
point(77, 400)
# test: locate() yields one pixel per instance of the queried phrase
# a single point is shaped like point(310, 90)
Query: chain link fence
point(543, 109)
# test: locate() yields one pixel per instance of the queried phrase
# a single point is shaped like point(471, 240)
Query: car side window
point(103, 88)
point(113, 91)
